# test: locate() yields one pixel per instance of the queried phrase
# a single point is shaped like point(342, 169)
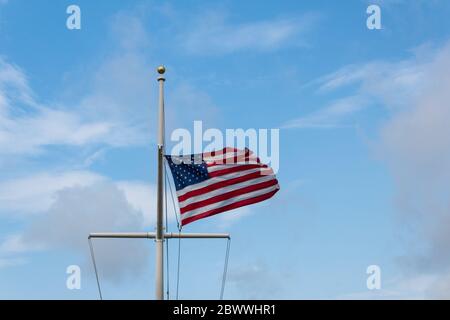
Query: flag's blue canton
point(186, 174)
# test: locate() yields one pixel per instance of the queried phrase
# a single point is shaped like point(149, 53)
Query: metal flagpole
point(159, 289)
point(160, 235)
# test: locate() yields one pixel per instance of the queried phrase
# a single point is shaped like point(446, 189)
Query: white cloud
point(36, 193)
point(142, 197)
point(78, 211)
point(14, 81)
point(415, 144)
point(15, 244)
point(330, 116)
point(68, 206)
point(29, 134)
point(94, 157)
point(212, 33)
point(392, 84)
point(389, 82)
point(76, 204)
point(114, 109)
point(26, 127)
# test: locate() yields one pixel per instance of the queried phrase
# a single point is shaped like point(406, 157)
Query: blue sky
point(364, 144)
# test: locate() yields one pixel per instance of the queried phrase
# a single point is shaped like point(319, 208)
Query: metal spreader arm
point(152, 235)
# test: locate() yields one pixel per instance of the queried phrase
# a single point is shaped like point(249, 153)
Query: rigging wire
point(95, 268)
point(180, 227)
point(225, 269)
point(167, 242)
point(178, 265)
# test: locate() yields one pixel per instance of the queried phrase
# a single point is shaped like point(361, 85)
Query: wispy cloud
point(392, 85)
point(388, 82)
point(329, 117)
point(214, 33)
point(27, 127)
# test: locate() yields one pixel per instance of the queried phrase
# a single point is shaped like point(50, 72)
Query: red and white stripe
point(237, 179)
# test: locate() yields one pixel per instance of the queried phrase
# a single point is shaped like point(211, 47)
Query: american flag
point(215, 182)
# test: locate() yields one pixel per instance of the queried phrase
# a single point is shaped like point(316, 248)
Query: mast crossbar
point(152, 235)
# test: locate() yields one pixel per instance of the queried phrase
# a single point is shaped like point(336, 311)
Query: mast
point(160, 235)
point(159, 286)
